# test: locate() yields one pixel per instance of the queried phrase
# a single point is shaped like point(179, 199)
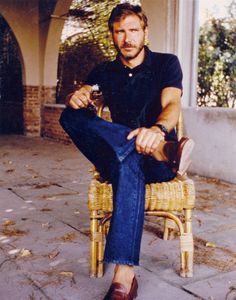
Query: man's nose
point(128, 38)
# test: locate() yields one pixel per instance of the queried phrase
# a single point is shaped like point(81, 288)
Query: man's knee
point(65, 117)
point(70, 116)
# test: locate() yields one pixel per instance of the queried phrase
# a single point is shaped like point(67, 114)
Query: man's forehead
point(129, 21)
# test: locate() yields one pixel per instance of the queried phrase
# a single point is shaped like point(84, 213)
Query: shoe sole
point(184, 160)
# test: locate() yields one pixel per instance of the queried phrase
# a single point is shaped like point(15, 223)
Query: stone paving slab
point(211, 221)
point(218, 237)
point(43, 192)
point(9, 202)
point(54, 252)
point(219, 287)
point(40, 161)
point(162, 259)
point(14, 286)
point(67, 206)
point(151, 287)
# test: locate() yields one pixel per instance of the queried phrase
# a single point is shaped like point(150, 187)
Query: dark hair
point(127, 9)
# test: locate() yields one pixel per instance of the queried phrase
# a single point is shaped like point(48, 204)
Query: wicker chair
point(173, 200)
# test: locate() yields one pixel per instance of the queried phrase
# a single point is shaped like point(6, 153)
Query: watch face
point(162, 127)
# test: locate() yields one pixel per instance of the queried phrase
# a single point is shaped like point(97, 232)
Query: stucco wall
point(38, 36)
point(214, 131)
point(22, 17)
point(157, 22)
point(173, 28)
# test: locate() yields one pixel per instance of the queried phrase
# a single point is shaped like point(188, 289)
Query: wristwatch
point(162, 127)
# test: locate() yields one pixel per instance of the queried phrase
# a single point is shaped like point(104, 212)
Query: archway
point(11, 89)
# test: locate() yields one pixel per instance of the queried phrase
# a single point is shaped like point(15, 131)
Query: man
point(142, 90)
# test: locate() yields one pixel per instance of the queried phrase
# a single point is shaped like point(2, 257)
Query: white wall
point(52, 43)
point(157, 23)
point(188, 29)
point(173, 28)
point(214, 132)
point(163, 24)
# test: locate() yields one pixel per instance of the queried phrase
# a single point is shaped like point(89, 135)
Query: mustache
point(128, 45)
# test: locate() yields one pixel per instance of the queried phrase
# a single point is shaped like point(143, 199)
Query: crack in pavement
point(32, 282)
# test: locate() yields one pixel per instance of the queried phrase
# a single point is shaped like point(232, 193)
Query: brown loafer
point(182, 158)
point(118, 291)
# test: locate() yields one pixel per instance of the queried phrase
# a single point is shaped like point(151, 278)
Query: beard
point(134, 50)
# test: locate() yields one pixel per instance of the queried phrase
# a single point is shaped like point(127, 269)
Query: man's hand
point(81, 98)
point(147, 139)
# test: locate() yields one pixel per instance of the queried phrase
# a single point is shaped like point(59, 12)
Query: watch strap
point(162, 127)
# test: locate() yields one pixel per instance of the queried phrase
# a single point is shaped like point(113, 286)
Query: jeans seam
point(138, 204)
point(133, 241)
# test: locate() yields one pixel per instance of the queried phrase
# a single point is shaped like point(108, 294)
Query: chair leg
point(189, 254)
point(98, 229)
point(103, 229)
point(93, 244)
point(100, 250)
point(186, 246)
point(169, 227)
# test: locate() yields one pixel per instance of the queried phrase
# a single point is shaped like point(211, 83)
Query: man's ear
point(110, 37)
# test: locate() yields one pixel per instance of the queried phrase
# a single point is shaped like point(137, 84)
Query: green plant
point(217, 62)
point(81, 52)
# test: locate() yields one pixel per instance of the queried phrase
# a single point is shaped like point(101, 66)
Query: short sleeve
point(172, 73)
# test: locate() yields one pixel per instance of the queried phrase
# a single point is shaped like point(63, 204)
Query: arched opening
point(11, 89)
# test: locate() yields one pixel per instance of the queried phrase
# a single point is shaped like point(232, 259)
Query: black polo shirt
point(133, 95)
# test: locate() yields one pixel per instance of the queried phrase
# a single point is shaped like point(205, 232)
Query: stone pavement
point(44, 232)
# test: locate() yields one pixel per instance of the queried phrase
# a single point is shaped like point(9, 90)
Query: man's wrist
point(162, 128)
point(88, 87)
point(157, 130)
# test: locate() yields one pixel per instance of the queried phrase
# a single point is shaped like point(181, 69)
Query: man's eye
point(134, 30)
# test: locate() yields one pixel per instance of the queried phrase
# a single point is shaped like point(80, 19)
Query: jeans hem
point(121, 262)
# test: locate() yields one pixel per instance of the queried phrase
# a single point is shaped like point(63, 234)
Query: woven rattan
point(174, 195)
point(173, 200)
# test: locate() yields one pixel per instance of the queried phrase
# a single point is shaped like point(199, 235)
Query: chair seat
point(174, 195)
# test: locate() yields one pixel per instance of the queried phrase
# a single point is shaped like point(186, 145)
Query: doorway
point(11, 88)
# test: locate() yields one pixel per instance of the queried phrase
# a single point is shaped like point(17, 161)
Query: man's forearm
point(169, 116)
point(171, 104)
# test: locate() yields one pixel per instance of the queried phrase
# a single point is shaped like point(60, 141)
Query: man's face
point(129, 36)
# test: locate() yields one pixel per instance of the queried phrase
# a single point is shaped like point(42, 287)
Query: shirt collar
point(118, 65)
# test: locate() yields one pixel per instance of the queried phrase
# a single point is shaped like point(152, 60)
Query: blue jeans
point(105, 144)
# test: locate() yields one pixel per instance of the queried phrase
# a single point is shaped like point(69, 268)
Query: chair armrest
point(99, 108)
